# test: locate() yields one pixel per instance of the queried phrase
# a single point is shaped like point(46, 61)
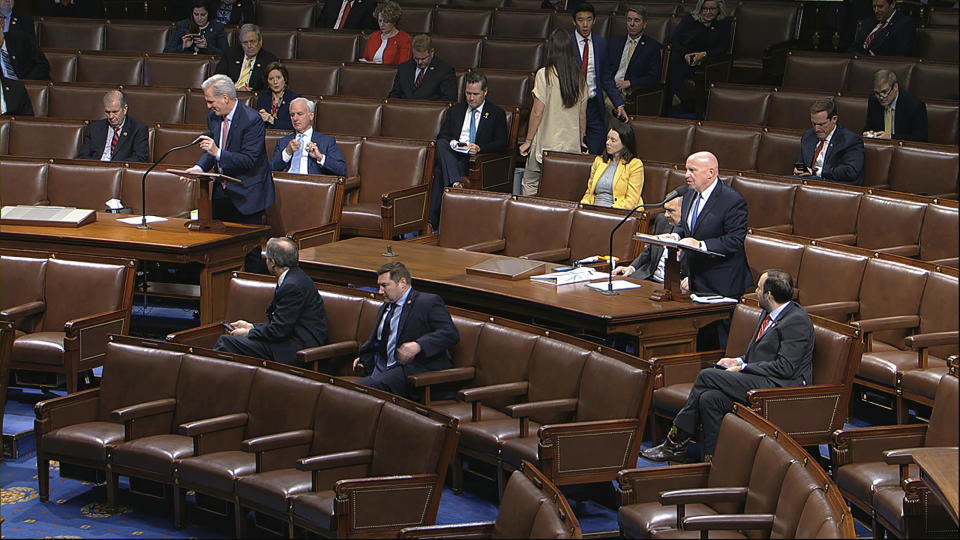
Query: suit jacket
point(604, 76)
point(909, 118)
point(15, 98)
point(784, 354)
point(232, 62)
point(245, 158)
point(360, 16)
point(844, 161)
point(424, 319)
point(894, 39)
point(28, 60)
point(691, 35)
point(91, 9)
point(722, 226)
point(133, 144)
point(646, 264)
point(333, 162)
point(296, 318)
point(644, 66)
point(265, 102)
point(491, 130)
point(627, 183)
point(21, 22)
point(439, 82)
point(216, 39)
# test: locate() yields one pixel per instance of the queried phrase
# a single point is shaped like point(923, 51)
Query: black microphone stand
point(143, 182)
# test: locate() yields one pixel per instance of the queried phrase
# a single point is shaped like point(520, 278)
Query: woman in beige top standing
point(558, 119)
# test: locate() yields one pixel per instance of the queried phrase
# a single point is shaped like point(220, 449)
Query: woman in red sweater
point(390, 45)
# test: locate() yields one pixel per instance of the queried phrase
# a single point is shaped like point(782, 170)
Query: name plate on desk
point(46, 216)
point(506, 268)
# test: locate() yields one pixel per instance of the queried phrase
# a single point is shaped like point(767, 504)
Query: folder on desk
point(584, 273)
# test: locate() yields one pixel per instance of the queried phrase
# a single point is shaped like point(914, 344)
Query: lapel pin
point(486, 115)
point(124, 133)
point(431, 68)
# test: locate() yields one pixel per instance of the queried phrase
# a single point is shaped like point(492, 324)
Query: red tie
point(763, 327)
point(416, 83)
point(817, 154)
point(343, 19)
point(65, 3)
point(869, 40)
point(586, 57)
point(113, 144)
point(223, 144)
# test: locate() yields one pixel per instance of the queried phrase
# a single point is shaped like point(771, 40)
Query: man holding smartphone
point(829, 151)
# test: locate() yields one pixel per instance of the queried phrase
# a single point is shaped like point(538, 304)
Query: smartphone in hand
point(801, 166)
point(227, 326)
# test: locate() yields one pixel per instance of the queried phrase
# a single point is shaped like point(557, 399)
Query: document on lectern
point(667, 242)
point(584, 273)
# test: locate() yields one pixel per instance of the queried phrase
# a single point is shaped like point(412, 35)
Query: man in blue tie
point(474, 127)
point(307, 151)
point(414, 333)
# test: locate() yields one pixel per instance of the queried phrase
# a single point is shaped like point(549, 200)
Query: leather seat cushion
point(464, 411)
point(155, 454)
point(316, 508)
point(674, 533)
point(39, 348)
point(87, 441)
point(640, 520)
point(672, 398)
point(884, 366)
point(270, 489)
point(365, 216)
point(861, 480)
point(514, 451)
point(216, 471)
point(888, 503)
point(881, 346)
point(487, 435)
point(923, 381)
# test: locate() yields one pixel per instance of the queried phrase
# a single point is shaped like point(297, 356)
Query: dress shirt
point(229, 118)
point(107, 155)
point(304, 156)
point(704, 197)
point(880, 25)
point(822, 157)
point(340, 15)
point(465, 131)
point(391, 359)
point(3, 102)
point(592, 69)
point(6, 19)
point(625, 57)
point(661, 271)
point(283, 275)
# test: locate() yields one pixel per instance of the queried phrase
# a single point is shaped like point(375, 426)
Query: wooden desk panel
point(939, 469)
point(663, 327)
point(219, 254)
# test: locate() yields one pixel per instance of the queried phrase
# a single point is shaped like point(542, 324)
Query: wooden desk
point(663, 327)
point(219, 254)
point(938, 469)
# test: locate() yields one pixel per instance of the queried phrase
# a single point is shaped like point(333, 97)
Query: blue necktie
point(297, 156)
point(386, 333)
point(473, 126)
point(8, 70)
point(696, 213)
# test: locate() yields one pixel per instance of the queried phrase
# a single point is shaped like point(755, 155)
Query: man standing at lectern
point(235, 146)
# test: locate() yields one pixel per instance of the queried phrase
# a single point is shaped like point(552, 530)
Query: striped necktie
point(244, 79)
point(8, 68)
point(888, 120)
point(113, 144)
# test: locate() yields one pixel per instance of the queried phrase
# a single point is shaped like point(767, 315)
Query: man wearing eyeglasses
point(829, 151)
point(245, 64)
point(892, 114)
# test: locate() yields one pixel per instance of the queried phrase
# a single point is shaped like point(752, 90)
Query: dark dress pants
point(596, 137)
point(224, 210)
point(450, 166)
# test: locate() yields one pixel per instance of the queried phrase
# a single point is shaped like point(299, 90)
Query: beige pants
point(530, 184)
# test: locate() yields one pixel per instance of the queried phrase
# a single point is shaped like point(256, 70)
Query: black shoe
point(673, 448)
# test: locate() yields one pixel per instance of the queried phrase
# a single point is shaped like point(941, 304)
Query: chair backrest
point(209, 387)
point(764, 252)
point(123, 382)
point(564, 175)
point(735, 146)
point(174, 135)
point(412, 119)
point(778, 151)
point(554, 373)
point(343, 314)
point(152, 105)
point(943, 427)
point(167, 195)
point(939, 44)
point(798, 485)
point(114, 68)
point(611, 389)
point(406, 442)
point(280, 41)
point(44, 138)
point(770, 465)
point(390, 164)
point(502, 355)
point(70, 33)
point(304, 201)
point(860, 76)
point(827, 275)
point(942, 120)
point(267, 414)
point(833, 358)
point(811, 203)
point(104, 289)
point(878, 155)
point(939, 233)
point(732, 462)
point(549, 221)
point(148, 37)
point(513, 24)
point(22, 279)
point(328, 45)
point(938, 310)
point(462, 22)
point(77, 102)
point(761, 24)
point(83, 185)
point(591, 228)
point(663, 139)
point(738, 104)
point(789, 108)
point(465, 351)
point(311, 77)
point(460, 52)
point(361, 80)
point(509, 88)
point(525, 55)
point(30, 186)
point(351, 415)
point(353, 116)
point(418, 19)
point(825, 72)
point(889, 289)
point(935, 80)
point(930, 169)
point(285, 14)
point(770, 202)
point(884, 222)
point(532, 507)
point(178, 70)
point(468, 217)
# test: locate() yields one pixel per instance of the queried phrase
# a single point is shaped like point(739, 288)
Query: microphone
point(679, 192)
point(143, 180)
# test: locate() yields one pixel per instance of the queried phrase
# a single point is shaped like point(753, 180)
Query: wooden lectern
point(671, 274)
point(202, 198)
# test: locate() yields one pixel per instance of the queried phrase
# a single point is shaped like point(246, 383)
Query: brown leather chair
point(790, 109)
point(765, 252)
point(890, 225)
point(920, 385)
point(404, 118)
point(935, 80)
point(418, 19)
point(590, 233)
point(874, 465)
point(170, 135)
point(565, 175)
point(532, 507)
point(22, 285)
point(74, 101)
point(83, 184)
point(70, 33)
point(314, 77)
point(940, 235)
point(812, 202)
point(460, 52)
point(286, 14)
point(167, 196)
point(449, 21)
point(472, 220)
point(770, 202)
point(307, 209)
point(280, 41)
point(878, 155)
point(735, 146)
point(860, 75)
point(73, 322)
point(514, 24)
point(42, 137)
point(150, 37)
point(114, 67)
point(829, 282)
point(63, 65)
point(938, 44)
point(943, 117)
point(31, 184)
point(663, 139)
point(926, 169)
point(179, 70)
point(740, 104)
point(37, 92)
point(826, 72)
point(943, 16)
point(552, 218)
point(521, 55)
point(364, 80)
point(349, 323)
point(765, 31)
point(156, 105)
point(349, 115)
point(778, 151)
point(328, 45)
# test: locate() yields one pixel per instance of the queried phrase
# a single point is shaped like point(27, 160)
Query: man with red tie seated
point(829, 151)
point(118, 137)
point(889, 32)
point(780, 355)
point(425, 76)
point(414, 333)
point(307, 151)
point(348, 15)
point(236, 148)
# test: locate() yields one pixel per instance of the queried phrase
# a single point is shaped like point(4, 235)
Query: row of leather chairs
point(58, 326)
point(317, 452)
point(906, 309)
point(846, 74)
point(886, 221)
point(760, 482)
point(308, 207)
point(790, 109)
point(531, 227)
point(573, 408)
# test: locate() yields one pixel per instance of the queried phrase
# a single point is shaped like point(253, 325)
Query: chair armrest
point(549, 255)
point(681, 368)
point(426, 239)
point(333, 461)
point(141, 410)
point(205, 335)
point(859, 445)
point(887, 323)
point(785, 228)
point(703, 495)
point(442, 376)
point(66, 410)
point(846, 239)
point(489, 246)
point(592, 451)
point(90, 333)
point(908, 250)
point(404, 210)
point(212, 425)
point(838, 311)
point(413, 500)
point(521, 410)
point(459, 530)
point(931, 339)
point(315, 236)
point(73, 327)
point(809, 414)
point(326, 352)
point(950, 261)
point(351, 183)
point(729, 522)
point(493, 391)
point(645, 485)
point(18, 313)
point(275, 441)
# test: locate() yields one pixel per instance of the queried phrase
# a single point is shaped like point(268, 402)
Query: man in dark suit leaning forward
point(413, 334)
point(296, 318)
point(474, 127)
point(118, 137)
point(307, 151)
point(780, 355)
point(651, 264)
point(425, 76)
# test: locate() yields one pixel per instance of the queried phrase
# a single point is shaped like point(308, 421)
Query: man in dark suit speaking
point(118, 137)
point(474, 127)
point(296, 318)
point(307, 151)
point(780, 354)
point(651, 264)
point(237, 148)
point(425, 76)
point(413, 334)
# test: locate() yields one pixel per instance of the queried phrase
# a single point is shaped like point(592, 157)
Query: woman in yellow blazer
point(616, 178)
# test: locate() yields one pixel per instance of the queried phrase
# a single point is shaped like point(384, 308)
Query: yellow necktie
point(633, 47)
point(244, 79)
point(888, 121)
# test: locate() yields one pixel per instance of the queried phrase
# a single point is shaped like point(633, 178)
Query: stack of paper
point(584, 273)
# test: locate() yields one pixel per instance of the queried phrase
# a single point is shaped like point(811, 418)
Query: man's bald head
point(702, 170)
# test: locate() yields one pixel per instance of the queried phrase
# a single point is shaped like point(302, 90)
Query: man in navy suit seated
point(892, 113)
point(829, 151)
point(591, 52)
point(889, 33)
point(425, 76)
point(296, 318)
point(634, 59)
point(307, 151)
point(414, 333)
point(474, 127)
point(118, 137)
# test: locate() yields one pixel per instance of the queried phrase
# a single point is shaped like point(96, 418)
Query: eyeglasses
point(714, 8)
point(883, 93)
